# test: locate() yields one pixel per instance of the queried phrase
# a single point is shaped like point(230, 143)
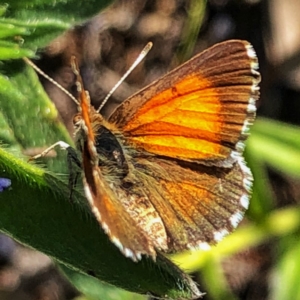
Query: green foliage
point(28, 25)
point(36, 210)
point(92, 288)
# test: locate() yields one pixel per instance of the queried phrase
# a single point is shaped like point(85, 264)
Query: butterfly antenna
point(38, 70)
point(136, 62)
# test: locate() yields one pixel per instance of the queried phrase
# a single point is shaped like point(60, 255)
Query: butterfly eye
point(76, 120)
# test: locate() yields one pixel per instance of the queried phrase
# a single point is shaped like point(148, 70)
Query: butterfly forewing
point(199, 111)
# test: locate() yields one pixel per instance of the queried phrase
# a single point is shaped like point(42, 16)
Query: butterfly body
point(165, 171)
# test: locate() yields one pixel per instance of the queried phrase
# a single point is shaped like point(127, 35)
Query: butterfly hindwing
point(199, 205)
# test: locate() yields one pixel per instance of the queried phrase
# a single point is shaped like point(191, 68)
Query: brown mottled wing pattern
point(199, 205)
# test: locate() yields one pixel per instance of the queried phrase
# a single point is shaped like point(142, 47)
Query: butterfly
point(165, 171)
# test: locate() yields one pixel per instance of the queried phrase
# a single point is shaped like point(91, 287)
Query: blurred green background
point(261, 260)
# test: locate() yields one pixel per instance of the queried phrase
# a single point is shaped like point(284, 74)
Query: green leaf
point(258, 209)
point(36, 212)
point(29, 113)
point(285, 277)
point(92, 288)
point(276, 144)
point(10, 30)
point(67, 10)
point(30, 25)
point(14, 52)
point(279, 223)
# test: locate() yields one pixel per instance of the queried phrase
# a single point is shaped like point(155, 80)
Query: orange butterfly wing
point(195, 119)
point(199, 111)
point(182, 138)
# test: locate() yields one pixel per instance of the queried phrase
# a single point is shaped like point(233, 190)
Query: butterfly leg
point(61, 144)
point(72, 159)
